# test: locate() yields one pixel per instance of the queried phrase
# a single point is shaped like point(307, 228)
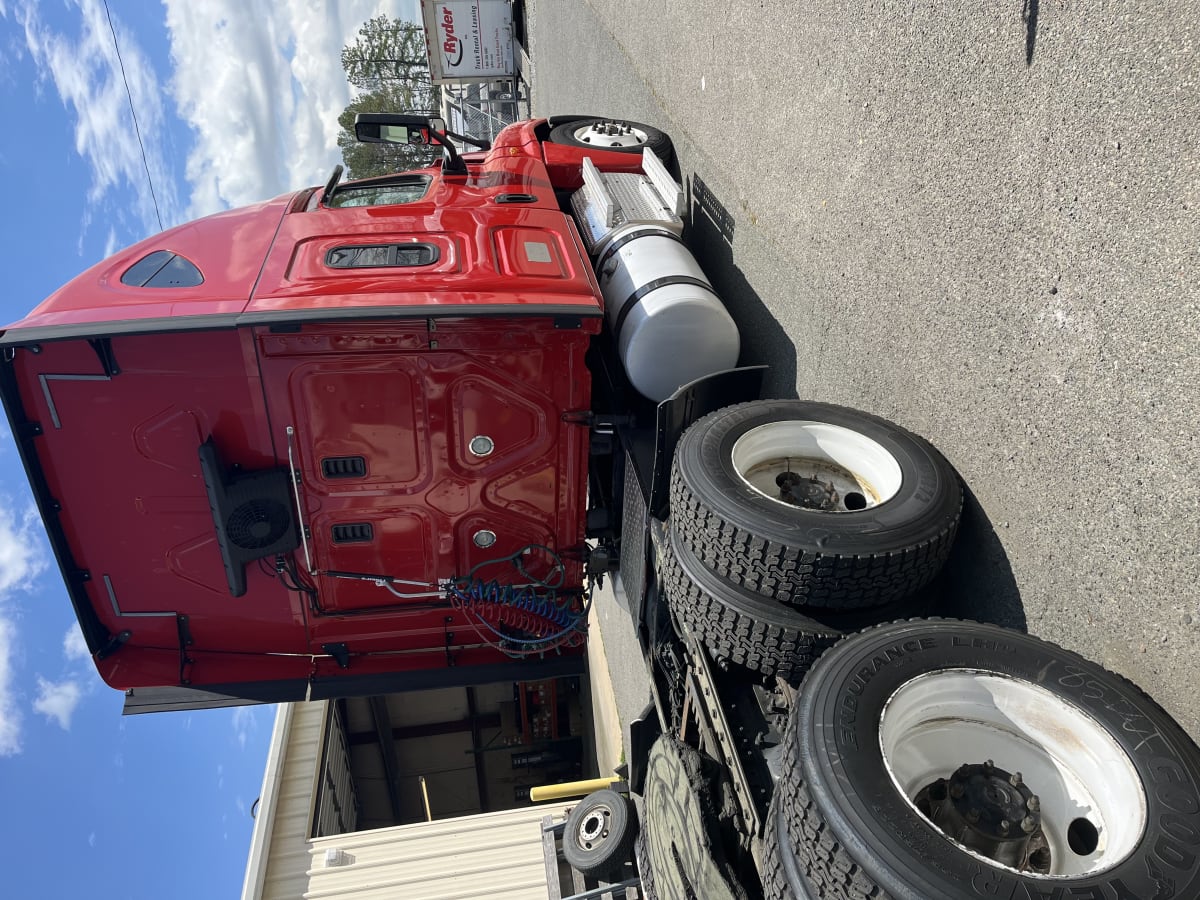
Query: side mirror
point(393, 128)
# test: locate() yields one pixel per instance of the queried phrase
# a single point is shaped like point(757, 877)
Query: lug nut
point(988, 766)
point(1005, 826)
point(957, 790)
point(1028, 824)
point(1015, 780)
point(1033, 804)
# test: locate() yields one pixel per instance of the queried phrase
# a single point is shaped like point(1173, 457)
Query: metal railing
point(482, 109)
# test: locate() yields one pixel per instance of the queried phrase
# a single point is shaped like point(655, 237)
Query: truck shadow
point(709, 233)
point(977, 582)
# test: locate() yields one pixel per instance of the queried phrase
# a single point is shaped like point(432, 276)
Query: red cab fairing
point(229, 248)
point(446, 381)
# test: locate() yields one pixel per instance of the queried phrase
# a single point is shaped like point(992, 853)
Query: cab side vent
point(353, 533)
point(344, 467)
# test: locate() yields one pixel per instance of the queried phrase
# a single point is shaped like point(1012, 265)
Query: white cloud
point(74, 646)
point(57, 700)
point(112, 243)
point(10, 715)
point(92, 839)
point(261, 89)
point(245, 723)
point(86, 73)
point(262, 92)
point(21, 561)
point(21, 555)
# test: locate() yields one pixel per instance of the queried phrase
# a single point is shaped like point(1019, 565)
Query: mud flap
point(643, 732)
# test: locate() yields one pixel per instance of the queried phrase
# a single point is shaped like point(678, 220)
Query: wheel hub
point(594, 827)
point(1091, 799)
point(990, 811)
point(610, 134)
point(817, 466)
point(809, 493)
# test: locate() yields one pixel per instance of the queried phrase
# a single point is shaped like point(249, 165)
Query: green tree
point(386, 51)
point(367, 160)
point(388, 65)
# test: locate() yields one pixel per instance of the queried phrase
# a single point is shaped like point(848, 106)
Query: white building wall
point(278, 864)
point(497, 856)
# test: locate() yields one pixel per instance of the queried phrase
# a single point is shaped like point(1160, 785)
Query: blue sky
point(237, 101)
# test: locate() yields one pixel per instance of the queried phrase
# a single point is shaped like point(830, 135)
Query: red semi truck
point(391, 433)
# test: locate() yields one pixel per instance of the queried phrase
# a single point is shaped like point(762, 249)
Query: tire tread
point(789, 571)
point(827, 865)
point(799, 577)
point(764, 647)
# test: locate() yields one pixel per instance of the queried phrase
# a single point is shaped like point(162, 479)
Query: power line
point(133, 113)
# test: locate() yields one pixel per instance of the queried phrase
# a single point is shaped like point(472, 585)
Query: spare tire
point(813, 504)
point(940, 759)
point(599, 833)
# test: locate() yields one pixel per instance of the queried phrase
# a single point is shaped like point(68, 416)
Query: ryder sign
point(468, 40)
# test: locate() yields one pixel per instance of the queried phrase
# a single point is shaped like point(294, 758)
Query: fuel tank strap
point(649, 288)
point(624, 239)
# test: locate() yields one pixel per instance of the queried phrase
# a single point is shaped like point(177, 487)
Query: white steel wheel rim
point(596, 134)
point(861, 471)
point(594, 827)
point(936, 722)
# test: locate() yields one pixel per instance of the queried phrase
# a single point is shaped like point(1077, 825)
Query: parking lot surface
point(980, 223)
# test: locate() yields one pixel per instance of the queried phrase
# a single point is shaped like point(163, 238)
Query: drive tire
point(782, 878)
point(888, 708)
point(599, 833)
point(763, 635)
point(578, 134)
point(840, 560)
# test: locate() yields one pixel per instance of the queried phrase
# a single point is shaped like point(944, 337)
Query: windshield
point(403, 189)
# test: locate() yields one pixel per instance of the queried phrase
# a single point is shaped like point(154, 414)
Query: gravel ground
point(980, 221)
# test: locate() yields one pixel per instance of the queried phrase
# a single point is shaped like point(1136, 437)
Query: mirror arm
point(454, 164)
point(477, 142)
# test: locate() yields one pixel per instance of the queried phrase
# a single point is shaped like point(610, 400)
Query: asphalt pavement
point(979, 221)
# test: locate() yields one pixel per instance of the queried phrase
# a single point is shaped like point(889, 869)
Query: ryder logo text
point(452, 44)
